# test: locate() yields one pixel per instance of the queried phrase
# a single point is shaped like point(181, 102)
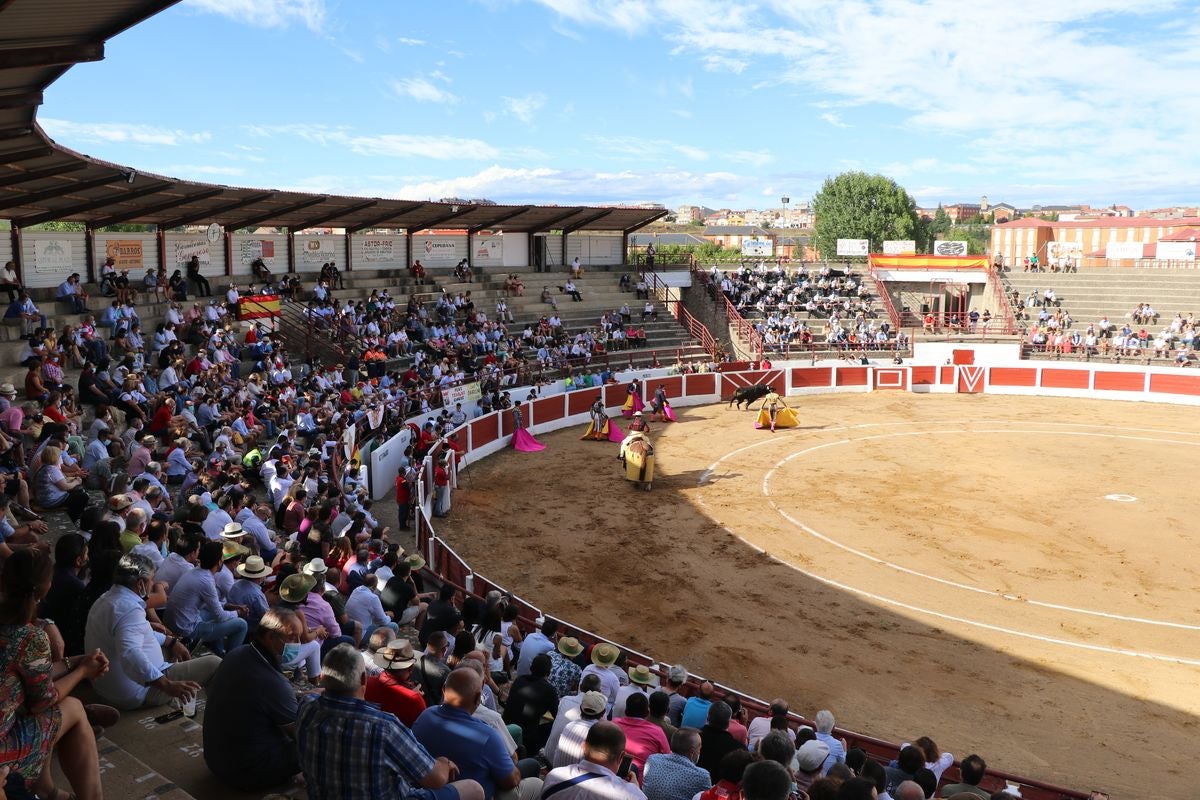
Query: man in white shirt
point(141, 672)
point(595, 777)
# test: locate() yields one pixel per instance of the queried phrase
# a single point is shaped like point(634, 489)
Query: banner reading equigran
point(125, 253)
point(186, 249)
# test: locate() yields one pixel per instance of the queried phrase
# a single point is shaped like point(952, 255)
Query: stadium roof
point(41, 181)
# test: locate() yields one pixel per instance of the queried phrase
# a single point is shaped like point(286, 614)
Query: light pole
point(785, 200)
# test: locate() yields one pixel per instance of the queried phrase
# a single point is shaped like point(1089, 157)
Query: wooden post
point(89, 252)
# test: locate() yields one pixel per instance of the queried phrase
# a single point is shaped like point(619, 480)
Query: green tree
point(60, 227)
point(855, 205)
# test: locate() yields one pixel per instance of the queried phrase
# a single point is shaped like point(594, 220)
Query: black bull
point(748, 394)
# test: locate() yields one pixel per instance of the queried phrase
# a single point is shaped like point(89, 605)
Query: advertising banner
point(1175, 251)
point(250, 249)
point(1119, 251)
point(52, 255)
point(439, 251)
point(463, 393)
point(1059, 253)
point(853, 247)
point(125, 253)
point(758, 247)
point(899, 247)
point(317, 250)
point(488, 250)
point(195, 247)
point(378, 250)
point(950, 248)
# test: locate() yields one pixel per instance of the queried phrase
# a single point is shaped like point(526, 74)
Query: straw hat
point(641, 674)
point(569, 646)
point(8, 390)
point(233, 530)
point(296, 587)
point(414, 561)
point(605, 654)
point(316, 567)
point(231, 549)
point(254, 567)
point(397, 654)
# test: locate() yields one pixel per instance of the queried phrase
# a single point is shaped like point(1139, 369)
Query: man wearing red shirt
point(390, 689)
point(643, 738)
point(404, 495)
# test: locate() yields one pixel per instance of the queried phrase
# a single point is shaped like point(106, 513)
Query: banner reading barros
point(125, 253)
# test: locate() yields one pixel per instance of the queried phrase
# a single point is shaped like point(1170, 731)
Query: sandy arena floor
point(1011, 576)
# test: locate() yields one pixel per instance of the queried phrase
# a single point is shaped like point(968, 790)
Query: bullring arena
point(1010, 575)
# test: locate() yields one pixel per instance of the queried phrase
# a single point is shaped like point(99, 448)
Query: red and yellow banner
point(929, 262)
point(258, 306)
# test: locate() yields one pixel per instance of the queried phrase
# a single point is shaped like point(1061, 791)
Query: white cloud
point(207, 170)
point(626, 147)
point(524, 108)
point(268, 13)
point(423, 90)
point(407, 42)
point(834, 119)
point(121, 132)
point(394, 145)
point(756, 158)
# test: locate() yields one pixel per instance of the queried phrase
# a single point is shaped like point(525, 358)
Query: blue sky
point(722, 104)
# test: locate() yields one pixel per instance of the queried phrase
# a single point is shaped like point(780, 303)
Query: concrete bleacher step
point(1093, 293)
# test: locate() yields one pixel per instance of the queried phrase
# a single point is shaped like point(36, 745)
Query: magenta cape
point(614, 433)
point(523, 440)
point(669, 413)
point(633, 402)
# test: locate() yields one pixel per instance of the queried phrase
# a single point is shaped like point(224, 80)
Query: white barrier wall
point(48, 258)
point(180, 248)
point(516, 249)
point(312, 251)
point(271, 248)
point(439, 251)
point(597, 249)
point(379, 252)
point(6, 253)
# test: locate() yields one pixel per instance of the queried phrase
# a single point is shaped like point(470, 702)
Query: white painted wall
point(72, 251)
point(312, 251)
point(378, 252)
point(181, 246)
point(246, 247)
point(516, 249)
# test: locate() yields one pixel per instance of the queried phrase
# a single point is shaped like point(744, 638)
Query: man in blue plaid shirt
point(351, 750)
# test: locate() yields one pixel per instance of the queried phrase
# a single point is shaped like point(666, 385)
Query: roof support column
point(14, 235)
point(624, 247)
point(89, 251)
point(408, 251)
point(162, 250)
point(228, 237)
point(470, 261)
point(291, 252)
point(349, 252)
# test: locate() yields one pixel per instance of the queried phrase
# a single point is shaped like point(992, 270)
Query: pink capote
point(633, 402)
point(669, 413)
point(523, 440)
point(614, 433)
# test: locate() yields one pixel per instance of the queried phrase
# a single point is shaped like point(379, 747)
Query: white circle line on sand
point(945, 581)
point(963, 620)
